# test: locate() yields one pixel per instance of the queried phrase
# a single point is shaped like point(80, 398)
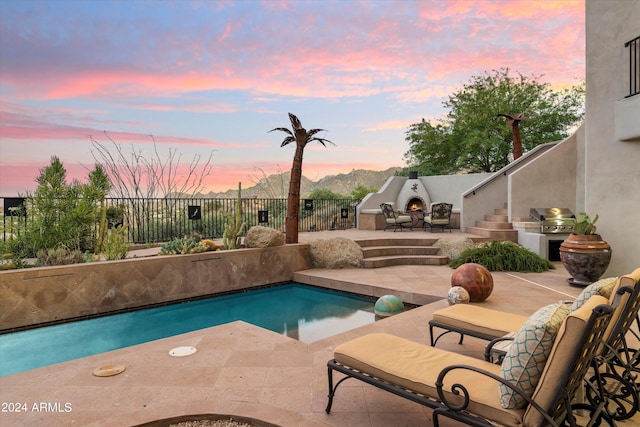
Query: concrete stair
point(400, 251)
point(495, 227)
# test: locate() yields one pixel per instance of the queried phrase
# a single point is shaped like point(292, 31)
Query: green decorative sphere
point(388, 305)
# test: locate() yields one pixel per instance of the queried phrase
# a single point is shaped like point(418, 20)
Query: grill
point(554, 220)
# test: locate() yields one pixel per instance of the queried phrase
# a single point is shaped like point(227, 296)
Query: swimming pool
point(303, 312)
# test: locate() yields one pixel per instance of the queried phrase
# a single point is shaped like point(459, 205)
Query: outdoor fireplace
point(413, 195)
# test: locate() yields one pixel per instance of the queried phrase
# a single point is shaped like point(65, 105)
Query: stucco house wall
point(550, 181)
point(611, 185)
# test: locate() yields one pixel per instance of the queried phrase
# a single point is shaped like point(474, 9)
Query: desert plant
point(503, 256)
point(185, 245)
point(63, 213)
point(116, 245)
point(60, 255)
point(584, 224)
point(231, 238)
point(11, 261)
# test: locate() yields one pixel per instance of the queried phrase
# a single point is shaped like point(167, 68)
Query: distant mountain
point(277, 185)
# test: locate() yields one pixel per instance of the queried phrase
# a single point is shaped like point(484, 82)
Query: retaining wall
point(47, 294)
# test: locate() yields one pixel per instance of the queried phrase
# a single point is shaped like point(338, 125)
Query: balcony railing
point(634, 66)
point(161, 220)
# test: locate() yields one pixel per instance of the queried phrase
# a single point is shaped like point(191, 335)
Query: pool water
point(302, 312)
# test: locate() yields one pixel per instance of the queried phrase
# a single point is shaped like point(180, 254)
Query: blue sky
point(215, 76)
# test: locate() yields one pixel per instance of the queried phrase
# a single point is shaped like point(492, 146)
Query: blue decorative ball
point(388, 305)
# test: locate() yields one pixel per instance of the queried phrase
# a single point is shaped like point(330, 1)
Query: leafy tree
point(360, 192)
point(474, 136)
point(325, 194)
point(301, 137)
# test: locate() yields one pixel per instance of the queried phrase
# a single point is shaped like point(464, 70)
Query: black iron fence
point(634, 66)
point(161, 220)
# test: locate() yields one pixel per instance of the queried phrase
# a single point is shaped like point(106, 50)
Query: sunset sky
point(215, 76)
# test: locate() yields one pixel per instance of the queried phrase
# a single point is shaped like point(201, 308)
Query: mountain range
point(277, 185)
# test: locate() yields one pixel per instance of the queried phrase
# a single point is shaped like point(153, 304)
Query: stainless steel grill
point(554, 220)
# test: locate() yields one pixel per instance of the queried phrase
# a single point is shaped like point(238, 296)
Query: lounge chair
point(439, 216)
point(394, 219)
point(468, 389)
point(619, 395)
point(487, 324)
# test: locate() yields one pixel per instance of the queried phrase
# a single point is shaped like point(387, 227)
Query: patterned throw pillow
point(524, 362)
point(602, 287)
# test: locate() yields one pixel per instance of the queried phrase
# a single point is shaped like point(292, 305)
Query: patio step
point(378, 251)
point(386, 252)
point(494, 234)
point(387, 261)
point(495, 226)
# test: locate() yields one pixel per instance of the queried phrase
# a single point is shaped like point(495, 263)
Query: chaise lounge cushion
point(525, 360)
point(603, 287)
point(561, 359)
point(416, 367)
point(479, 320)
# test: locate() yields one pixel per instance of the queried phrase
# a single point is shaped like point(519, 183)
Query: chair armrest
point(461, 390)
point(489, 348)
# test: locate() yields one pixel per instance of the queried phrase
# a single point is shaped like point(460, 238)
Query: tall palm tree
point(301, 137)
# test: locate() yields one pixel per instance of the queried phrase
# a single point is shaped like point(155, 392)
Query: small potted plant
point(584, 254)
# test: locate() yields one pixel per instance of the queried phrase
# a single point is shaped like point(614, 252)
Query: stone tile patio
point(243, 370)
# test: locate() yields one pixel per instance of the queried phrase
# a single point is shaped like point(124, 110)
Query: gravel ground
point(211, 423)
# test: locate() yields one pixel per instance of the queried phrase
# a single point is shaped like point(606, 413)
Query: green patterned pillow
point(525, 359)
point(602, 287)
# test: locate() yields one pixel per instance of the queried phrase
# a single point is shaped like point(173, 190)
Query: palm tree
point(514, 122)
point(301, 137)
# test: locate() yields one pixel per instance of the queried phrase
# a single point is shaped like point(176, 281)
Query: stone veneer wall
point(37, 295)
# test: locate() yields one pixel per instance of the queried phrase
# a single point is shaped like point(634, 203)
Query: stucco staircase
point(495, 226)
point(401, 251)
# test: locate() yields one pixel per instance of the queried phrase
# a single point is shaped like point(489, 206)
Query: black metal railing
point(634, 66)
point(160, 220)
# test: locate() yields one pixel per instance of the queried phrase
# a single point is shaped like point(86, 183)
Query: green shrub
point(116, 245)
point(503, 256)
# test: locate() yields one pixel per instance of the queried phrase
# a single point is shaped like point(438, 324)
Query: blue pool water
point(302, 312)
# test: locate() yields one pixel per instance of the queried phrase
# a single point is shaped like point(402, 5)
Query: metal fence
point(634, 66)
point(161, 220)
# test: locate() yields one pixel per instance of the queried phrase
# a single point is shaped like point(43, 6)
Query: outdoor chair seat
point(487, 324)
point(439, 216)
point(394, 219)
point(479, 322)
point(468, 389)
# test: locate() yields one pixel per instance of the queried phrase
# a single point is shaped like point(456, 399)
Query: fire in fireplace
point(415, 205)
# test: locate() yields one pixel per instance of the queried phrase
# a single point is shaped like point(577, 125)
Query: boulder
point(339, 252)
point(263, 237)
point(454, 246)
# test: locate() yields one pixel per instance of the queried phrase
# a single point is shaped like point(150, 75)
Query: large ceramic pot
point(586, 258)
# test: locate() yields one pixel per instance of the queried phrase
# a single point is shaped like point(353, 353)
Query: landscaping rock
point(263, 237)
point(453, 247)
point(339, 252)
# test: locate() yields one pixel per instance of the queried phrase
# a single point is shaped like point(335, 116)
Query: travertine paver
point(242, 370)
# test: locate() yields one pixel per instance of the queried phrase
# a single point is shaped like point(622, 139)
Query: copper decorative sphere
point(475, 278)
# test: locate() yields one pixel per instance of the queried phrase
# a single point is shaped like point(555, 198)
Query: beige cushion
point(525, 360)
point(560, 359)
point(629, 280)
point(416, 367)
point(603, 287)
point(479, 319)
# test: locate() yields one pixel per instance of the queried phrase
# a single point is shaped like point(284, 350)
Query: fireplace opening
point(415, 205)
